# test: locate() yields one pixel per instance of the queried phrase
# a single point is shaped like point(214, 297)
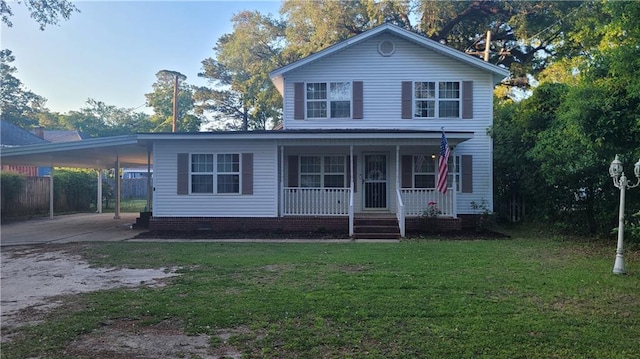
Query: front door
point(375, 181)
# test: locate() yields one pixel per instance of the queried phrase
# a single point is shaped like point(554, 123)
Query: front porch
point(411, 204)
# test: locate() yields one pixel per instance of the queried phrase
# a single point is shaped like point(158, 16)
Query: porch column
point(454, 195)
point(351, 194)
point(397, 167)
point(51, 193)
point(116, 214)
point(281, 189)
point(99, 194)
point(149, 189)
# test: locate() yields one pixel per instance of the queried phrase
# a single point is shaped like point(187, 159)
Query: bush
point(11, 184)
point(74, 190)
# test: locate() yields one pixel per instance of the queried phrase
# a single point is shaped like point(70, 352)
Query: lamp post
point(621, 181)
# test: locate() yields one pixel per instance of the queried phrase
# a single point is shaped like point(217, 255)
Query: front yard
point(514, 298)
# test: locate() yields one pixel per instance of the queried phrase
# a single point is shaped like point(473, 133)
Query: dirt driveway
point(81, 227)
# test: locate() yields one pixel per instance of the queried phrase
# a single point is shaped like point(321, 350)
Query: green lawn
point(516, 298)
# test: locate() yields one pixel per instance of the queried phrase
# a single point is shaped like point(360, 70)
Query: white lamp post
point(621, 181)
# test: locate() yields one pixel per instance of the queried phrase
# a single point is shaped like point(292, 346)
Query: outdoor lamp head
point(615, 170)
point(636, 169)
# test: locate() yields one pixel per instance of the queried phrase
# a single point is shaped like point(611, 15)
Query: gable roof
point(12, 135)
point(499, 73)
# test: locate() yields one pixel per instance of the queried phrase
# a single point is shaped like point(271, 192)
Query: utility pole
point(177, 78)
point(487, 46)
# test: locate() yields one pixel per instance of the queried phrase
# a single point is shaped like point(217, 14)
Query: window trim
point(215, 173)
point(436, 99)
point(322, 172)
point(455, 169)
point(327, 100)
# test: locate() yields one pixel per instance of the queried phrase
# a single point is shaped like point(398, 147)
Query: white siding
point(262, 203)
point(382, 79)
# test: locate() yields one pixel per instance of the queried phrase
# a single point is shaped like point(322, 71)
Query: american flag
point(443, 165)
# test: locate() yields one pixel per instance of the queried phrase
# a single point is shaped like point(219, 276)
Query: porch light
point(620, 181)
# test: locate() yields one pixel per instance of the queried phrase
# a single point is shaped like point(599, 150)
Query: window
point(445, 101)
point(425, 171)
point(225, 178)
point(331, 99)
point(322, 171)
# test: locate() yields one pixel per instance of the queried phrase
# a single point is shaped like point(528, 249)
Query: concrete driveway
point(81, 227)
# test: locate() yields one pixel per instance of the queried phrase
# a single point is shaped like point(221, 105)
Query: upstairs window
point(328, 99)
point(436, 99)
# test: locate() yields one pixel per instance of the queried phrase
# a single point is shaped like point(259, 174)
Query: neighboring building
point(11, 136)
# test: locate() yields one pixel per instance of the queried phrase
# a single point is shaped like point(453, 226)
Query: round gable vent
point(386, 47)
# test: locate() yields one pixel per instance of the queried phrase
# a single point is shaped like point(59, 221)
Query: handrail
point(400, 214)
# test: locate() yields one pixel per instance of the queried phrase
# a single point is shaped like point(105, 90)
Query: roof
point(64, 135)
point(12, 135)
point(498, 72)
point(134, 150)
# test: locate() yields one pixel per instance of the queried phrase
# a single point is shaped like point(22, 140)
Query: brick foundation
point(295, 224)
point(248, 224)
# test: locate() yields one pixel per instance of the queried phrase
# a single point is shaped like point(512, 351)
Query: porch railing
point(316, 201)
point(400, 213)
point(416, 201)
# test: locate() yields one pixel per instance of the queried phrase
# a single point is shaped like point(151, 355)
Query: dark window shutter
point(298, 101)
point(293, 171)
point(183, 173)
point(407, 171)
point(467, 174)
point(358, 106)
point(467, 99)
point(247, 173)
point(407, 99)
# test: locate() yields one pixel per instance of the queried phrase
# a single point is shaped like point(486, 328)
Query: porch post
point(454, 195)
point(397, 167)
point(351, 194)
point(281, 212)
point(99, 194)
point(116, 214)
point(51, 193)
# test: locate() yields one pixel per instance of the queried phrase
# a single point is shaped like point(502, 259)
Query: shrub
point(11, 184)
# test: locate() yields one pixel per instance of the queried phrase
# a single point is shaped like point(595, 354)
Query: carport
point(96, 153)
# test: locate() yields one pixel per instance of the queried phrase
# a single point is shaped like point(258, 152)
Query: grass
point(127, 205)
point(518, 298)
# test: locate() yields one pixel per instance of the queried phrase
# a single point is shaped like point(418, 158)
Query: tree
point(98, 119)
point(243, 96)
point(526, 35)
point(17, 104)
point(44, 13)
point(161, 100)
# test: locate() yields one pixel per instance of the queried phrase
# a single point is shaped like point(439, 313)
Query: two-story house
point(357, 152)
point(362, 128)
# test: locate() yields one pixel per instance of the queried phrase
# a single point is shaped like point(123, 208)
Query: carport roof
point(89, 153)
point(133, 150)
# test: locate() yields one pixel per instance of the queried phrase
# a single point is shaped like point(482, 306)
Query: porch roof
point(453, 137)
point(132, 150)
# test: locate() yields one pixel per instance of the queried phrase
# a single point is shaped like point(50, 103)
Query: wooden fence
point(34, 199)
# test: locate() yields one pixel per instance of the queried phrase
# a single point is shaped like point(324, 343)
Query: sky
point(111, 50)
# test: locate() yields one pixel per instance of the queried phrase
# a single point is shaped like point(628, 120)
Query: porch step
point(376, 228)
point(142, 221)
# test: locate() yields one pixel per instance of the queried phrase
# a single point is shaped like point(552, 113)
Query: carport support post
point(149, 179)
point(99, 195)
point(117, 189)
point(51, 193)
